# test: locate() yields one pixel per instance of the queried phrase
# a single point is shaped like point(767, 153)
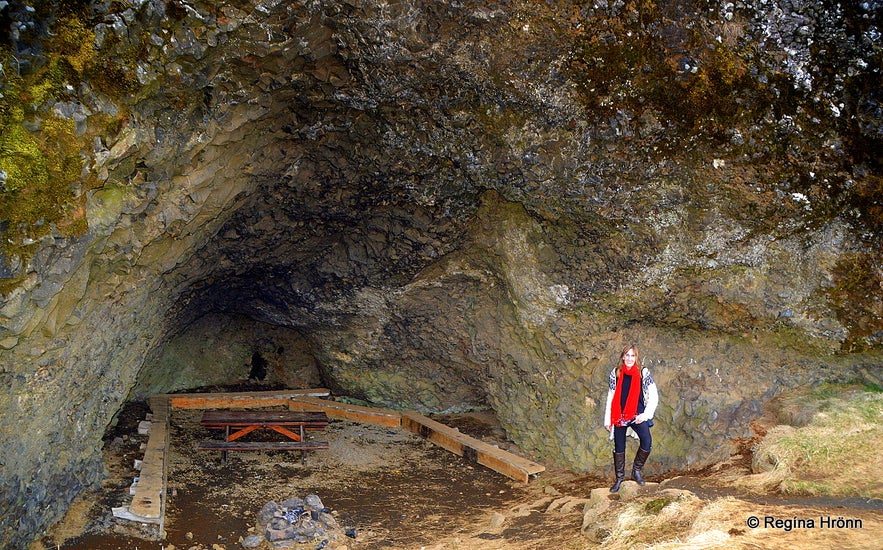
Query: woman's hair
point(620, 363)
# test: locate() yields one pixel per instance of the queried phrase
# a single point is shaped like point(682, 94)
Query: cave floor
point(393, 489)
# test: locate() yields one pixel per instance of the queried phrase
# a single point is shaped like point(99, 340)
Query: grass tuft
point(835, 453)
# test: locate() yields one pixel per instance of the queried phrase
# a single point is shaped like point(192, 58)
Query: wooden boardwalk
point(240, 400)
point(474, 450)
point(470, 448)
point(148, 502)
point(149, 499)
point(345, 411)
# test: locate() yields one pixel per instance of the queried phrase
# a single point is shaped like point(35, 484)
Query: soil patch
point(393, 489)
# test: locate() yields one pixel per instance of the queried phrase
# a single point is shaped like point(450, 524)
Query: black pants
point(643, 431)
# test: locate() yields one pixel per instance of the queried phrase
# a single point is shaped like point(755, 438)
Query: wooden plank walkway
point(240, 400)
point(504, 462)
point(149, 499)
point(345, 411)
point(148, 502)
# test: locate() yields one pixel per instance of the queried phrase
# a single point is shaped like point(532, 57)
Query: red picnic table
point(245, 422)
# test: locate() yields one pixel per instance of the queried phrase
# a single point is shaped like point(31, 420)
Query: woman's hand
point(608, 427)
point(639, 419)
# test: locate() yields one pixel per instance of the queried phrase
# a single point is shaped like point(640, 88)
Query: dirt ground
point(392, 489)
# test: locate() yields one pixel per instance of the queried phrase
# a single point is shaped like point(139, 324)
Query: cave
point(433, 206)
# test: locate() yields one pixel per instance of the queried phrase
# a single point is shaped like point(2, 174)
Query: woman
point(631, 403)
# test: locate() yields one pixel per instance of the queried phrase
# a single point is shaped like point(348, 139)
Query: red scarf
point(618, 415)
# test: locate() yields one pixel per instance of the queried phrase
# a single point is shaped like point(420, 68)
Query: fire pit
point(297, 522)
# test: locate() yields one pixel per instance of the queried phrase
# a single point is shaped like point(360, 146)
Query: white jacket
point(648, 387)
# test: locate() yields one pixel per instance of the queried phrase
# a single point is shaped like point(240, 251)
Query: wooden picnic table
point(245, 422)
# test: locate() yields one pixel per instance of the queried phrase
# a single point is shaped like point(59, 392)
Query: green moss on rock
point(40, 152)
point(41, 191)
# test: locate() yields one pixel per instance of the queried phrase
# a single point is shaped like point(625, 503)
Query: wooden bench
point(302, 446)
point(245, 422)
point(262, 445)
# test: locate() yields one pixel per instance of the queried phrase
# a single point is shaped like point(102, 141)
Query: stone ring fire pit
point(296, 521)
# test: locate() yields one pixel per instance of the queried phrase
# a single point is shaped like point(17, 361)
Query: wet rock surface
point(446, 206)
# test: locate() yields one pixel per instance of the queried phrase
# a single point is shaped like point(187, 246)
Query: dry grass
point(663, 516)
point(835, 454)
point(722, 524)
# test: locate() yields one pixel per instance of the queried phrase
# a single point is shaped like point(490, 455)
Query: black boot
point(640, 459)
point(619, 468)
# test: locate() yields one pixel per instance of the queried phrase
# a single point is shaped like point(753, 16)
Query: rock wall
point(219, 349)
point(443, 206)
point(492, 325)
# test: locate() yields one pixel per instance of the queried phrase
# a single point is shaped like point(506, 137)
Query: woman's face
point(628, 358)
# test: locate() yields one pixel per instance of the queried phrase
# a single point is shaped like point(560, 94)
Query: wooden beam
point(239, 400)
point(148, 502)
point(504, 462)
point(345, 411)
point(262, 445)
